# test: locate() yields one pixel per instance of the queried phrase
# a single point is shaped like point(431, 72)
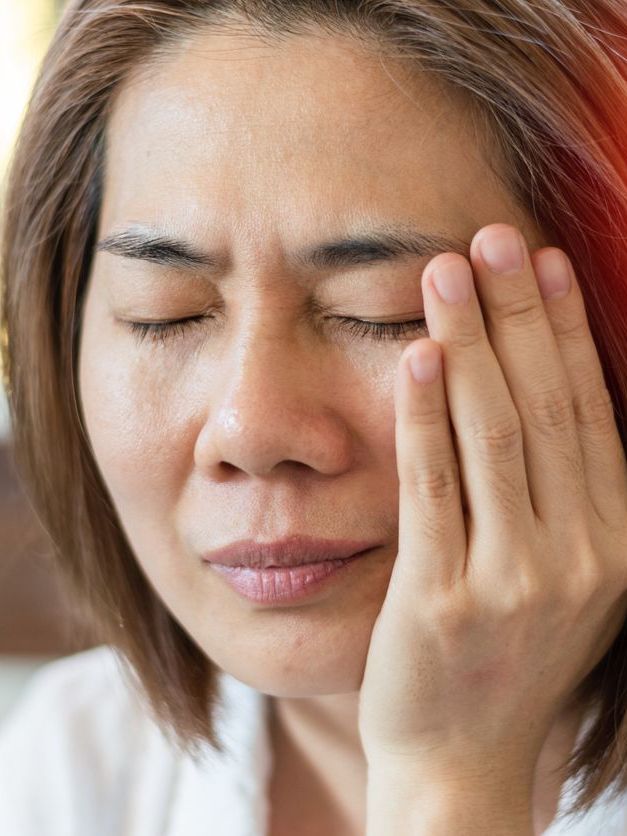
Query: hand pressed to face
point(493, 617)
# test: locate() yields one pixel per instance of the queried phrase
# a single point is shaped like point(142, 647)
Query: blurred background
point(33, 622)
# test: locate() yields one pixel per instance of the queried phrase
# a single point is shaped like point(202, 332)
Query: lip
point(289, 584)
point(292, 550)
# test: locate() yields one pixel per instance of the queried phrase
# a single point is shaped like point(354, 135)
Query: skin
point(259, 423)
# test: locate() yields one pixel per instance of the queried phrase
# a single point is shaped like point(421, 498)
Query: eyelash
point(162, 331)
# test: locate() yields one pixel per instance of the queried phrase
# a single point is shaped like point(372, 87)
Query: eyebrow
point(387, 243)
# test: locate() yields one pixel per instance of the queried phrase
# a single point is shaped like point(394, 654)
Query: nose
point(275, 402)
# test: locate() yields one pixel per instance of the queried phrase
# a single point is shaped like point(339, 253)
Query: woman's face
point(273, 417)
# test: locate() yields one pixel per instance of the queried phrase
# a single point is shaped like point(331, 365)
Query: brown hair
point(545, 81)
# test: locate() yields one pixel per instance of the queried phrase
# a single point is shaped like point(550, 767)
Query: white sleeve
point(64, 750)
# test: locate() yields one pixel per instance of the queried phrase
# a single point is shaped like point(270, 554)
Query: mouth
point(292, 550)
point(288, 585)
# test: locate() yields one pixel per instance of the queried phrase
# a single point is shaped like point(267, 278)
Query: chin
point(307, 679)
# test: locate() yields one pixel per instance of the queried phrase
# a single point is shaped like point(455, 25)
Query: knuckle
point(499, 440)
point(522, 312)
point(435, 480)
point(570, 329)
point(527, 594)
point(468, 336)
point(594, 409)
point(452, 615)
point(551, 410)
point(583, 584)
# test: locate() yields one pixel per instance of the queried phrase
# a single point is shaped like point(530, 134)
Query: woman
point(230, 227)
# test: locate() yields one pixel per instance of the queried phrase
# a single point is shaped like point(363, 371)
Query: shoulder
point(69, 691)
point(69, 746)
point(79, 753)
point(80, 668)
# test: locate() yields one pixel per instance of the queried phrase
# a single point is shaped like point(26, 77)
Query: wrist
point(410, 802)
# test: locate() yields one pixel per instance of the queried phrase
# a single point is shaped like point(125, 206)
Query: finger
point(432, 534)
point(603, 454)
point(524, 343)
point(486, 424)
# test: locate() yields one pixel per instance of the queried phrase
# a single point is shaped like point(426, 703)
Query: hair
point(545, 82)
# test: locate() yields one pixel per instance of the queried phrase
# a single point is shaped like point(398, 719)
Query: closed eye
point(169, 329)
point(381, 330)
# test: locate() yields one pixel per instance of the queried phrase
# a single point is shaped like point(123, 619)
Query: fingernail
point(502, 250)
point(424, 364)
point(453, 282)
point(553, 274)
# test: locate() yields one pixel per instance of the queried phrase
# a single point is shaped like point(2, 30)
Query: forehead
point(230, 130)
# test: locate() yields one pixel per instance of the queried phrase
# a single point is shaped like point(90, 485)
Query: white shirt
point(80, 756)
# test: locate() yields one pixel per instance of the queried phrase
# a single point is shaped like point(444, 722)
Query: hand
point(509, 584)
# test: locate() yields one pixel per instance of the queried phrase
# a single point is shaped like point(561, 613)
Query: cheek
point(137, 438)
point(378, 419)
